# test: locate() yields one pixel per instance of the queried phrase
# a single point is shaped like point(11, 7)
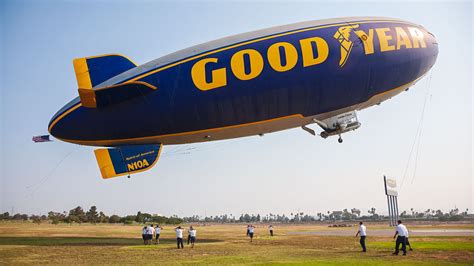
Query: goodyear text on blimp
point(390, 39)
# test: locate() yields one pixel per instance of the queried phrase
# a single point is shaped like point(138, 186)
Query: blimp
point(316, 73)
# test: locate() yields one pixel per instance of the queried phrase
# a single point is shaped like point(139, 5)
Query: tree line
point(78, 215)
point(93, 215)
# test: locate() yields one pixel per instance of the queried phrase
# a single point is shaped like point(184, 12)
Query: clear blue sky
point(280, 173)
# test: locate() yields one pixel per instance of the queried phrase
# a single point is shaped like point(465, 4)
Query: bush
point(456, 218)
point(114, 219)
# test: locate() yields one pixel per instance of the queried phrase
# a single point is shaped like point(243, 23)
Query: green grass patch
point(427, 245)
point(83, 241)
point(68, 241)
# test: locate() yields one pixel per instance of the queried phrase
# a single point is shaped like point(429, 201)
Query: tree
point(78, 215)
point(20, 217)
point(5, 216)
point(355, 211)
point(56, 217)
point(139, 217)
point(439, 213)
point(146, 217)
point(72, 219)
point(129, 219)
point(114, 219)
point(36, 219)
point(346, 215)
point(427, 213)
point(103, 218)
point(375, 216)
point(92, 215)
point(247, 218)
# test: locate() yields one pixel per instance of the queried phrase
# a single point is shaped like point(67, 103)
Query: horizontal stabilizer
point(91, 71)
point(126, 160)
point(103, 97)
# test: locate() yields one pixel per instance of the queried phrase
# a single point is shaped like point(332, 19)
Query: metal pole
point(396, 208)
point(392, 206)
point(389, 211)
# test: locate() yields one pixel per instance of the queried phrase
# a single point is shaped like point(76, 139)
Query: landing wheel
point(339, 140)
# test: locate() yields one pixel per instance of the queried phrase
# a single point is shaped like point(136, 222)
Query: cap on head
point(399, 221)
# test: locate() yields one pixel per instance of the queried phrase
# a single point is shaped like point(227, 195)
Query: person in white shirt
point(144, 235)
point(401, 231)
point(363, 233)
point(270, 228)
point(179, 236)
point(251, 229)
point(157, 234)
point(192, 236)
point(149, 234)
point(189, 235)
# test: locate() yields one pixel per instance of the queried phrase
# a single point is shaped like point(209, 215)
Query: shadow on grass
point(85, 241)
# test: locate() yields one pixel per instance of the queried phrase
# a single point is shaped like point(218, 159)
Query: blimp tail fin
point(93, 70)
point(126, 160)
point(101, 97)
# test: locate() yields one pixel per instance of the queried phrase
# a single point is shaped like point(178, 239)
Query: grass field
point(25, 243)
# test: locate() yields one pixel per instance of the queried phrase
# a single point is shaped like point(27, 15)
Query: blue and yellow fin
point(126, 160)
point(102, 97)
point(91, 71)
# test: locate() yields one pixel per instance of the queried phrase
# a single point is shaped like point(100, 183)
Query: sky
point(282, 172)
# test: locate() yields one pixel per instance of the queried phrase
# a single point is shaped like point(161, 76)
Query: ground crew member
point(157, 234)
point(251, 229)
point(179, 236)
point(363, 233)
point(401, 232)
point(144, 235)
point(149, 234)
point(192, 236)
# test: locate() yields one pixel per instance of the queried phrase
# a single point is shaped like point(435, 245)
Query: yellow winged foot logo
point(343, 36)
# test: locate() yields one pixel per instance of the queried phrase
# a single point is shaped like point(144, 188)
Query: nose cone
point(434, 49)
point(434, 43)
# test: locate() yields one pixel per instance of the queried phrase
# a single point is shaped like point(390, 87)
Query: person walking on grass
point(192, 236)
point(251, 230)
point(401, 238)
point(149, 234)
point(179, 236)
point(270, 228)
point(189, 234)
point(144, 236)
point(248, 229)
point(363, 233)
point(157, 234)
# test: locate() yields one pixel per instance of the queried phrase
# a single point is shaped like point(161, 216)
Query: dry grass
point(24, 243)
